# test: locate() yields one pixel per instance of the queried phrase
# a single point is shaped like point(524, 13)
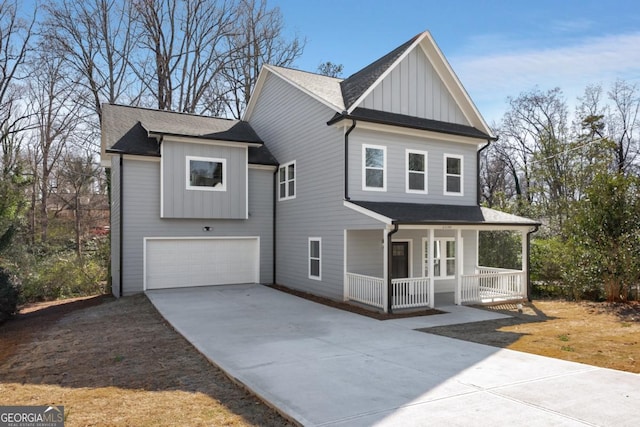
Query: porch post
point(385, 269)
point(459, 267)
point(345, 283)
point(525, 263)
point(432, 283)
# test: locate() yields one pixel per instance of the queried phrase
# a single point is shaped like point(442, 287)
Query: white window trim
point(426, 170)
point(319, 240)
point(223, 187)
point(364, 168)
point(425, 257)
point(287, 181)
point(444, 173)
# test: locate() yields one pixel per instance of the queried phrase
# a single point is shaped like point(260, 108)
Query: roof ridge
point(157, 110)
point(303, 71)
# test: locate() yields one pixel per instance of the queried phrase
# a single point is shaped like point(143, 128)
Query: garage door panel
point(171, 263)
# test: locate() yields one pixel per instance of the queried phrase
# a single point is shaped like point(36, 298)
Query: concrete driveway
point(322, 366)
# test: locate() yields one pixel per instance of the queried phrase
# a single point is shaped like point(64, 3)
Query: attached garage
point(184, 262)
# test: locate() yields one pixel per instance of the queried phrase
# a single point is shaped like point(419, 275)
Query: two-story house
point(373, 197)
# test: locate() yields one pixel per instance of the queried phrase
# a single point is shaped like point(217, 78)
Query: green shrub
point(8, 296)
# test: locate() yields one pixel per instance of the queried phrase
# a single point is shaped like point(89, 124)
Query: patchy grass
point(116, 363)
point(599, 334)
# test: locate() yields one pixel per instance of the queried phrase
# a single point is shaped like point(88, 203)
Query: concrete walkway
point(322, 366)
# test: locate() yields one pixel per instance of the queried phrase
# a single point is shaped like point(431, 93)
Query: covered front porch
point(411, 265)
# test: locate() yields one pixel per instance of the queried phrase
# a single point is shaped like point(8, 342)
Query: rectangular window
point(374, 165)
point(287, 181)
point(453, 175)
point(444, 258)
point(315, 254)
point(416, 171)
point(204, 173)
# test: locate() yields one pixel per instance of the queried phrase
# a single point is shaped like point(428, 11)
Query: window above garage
point(206, 174)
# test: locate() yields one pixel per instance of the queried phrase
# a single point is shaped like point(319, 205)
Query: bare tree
point(186, 46)
point(257, 40)
point(624, 123)
point(96, 39)
point(56, 118)
point(330, 69)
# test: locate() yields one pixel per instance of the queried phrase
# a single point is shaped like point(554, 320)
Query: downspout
point(389, 263)
point(346, 159)
point(273, 222)
point(121, 228)
point(529, 233)
point(479, 195)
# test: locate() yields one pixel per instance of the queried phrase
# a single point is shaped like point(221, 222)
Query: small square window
point(206, 174)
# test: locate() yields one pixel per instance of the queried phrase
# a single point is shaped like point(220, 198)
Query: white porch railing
point(407, 293)
point(411, 292)
point(366, 289)
point(493, 284)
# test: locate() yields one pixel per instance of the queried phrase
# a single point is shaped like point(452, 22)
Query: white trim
point(444, 174)
point(367, 212)
point(443, 265)
point(409, 255)
point(364, 167)
point(246, 183)
point(161, 181)
point(153, 159)
point(319, 259)
point(262, 167)
point(420, 133)
point(202, 141)
point(345, 262)
point(287, 181)
point(409, 151)
point(145, 240)
point(188, 186)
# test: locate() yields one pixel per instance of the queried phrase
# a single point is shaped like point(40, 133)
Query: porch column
point(345, 282)
point(385, 269)
point(525, 263)
point(459, 267)
point(432, 283)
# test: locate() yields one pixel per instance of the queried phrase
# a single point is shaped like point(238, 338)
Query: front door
point(399, 260)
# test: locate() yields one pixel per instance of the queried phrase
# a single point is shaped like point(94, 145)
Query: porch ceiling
point(416, 213)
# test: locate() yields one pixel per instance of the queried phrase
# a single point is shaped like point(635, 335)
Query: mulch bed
point(352, 308)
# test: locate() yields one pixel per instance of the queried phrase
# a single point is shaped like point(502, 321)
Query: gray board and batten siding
point(142, 219)
point(179, 202)
point(414, 88)
point(294, 127)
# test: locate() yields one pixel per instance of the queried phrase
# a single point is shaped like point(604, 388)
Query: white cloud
point(491, 78)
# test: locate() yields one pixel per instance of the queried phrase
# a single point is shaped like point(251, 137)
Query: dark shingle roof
point(355, 85)
point(383, 117)
point(129, 129)
point(415, 213)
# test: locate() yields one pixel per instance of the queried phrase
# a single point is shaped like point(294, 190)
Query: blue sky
point(497, 48)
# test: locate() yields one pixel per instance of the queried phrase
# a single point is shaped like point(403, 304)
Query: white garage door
point(173, 263)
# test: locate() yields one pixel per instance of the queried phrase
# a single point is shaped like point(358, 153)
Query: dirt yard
point(116, 363)
point(599, 334)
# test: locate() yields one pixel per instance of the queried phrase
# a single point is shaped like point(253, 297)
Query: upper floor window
point(374, 165)
point(205, 173)
point(287, 181)
point(315, 253)
point(416, 180)
point(452, 174)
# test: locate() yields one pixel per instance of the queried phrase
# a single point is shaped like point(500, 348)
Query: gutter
point(478, 195)
point(121, 228)
point(389, 267)
point(529, 233)
point(346, 159)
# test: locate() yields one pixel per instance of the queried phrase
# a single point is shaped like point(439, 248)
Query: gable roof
point(347, 95)
point(133, 130)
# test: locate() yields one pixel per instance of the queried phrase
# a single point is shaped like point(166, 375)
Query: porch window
point(374, 165)
point(452, 174)
point(416, 180)
point(204, 173)
point(287, 181)
point(315, 253)
point(444, 258)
